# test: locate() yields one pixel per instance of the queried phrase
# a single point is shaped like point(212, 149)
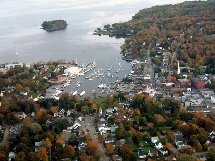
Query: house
point(180, 141)
point(153, 152)
point(203, 109)
point(37, 146)
point(68, 113)
point(11, 156)
point(158, 145)
point(154, 139)
point(21, 115)
point(212, 136)
point(197, 83)
point(116, 158)
point(141, 153)
point(163, 152)
point(109, 139)
point(103, 129)
point(120, 142)
point(82, 144)
point(184, 83)
point(74, 127)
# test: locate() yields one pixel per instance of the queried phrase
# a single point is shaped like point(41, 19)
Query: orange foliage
point(159, 118)
point(109, 148)
point(70, 151)
point(54, 109)
point(93, 146)
point(2, 156)
point(84, 157)
point(43, 154)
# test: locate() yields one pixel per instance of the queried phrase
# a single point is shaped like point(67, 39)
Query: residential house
point(203, 109)
point(197, 83)
point(109, 139)
point(37, 146)
point(158, 145)
point(184, 83)
point(21, 115)
point(116, 158)
point(82, 144)
point(141, 153)
point(212, 136)
point(11, 156)
point(163, 152)
point(180, 141)
point(154, 139)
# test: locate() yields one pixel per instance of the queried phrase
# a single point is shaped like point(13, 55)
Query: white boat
point(102, 86)
point(78, 84)
point(74, 93)
point(110, 68)
point(82, 93)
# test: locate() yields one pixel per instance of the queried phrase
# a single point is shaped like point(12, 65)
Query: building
point(197, 83)
point(203, 109)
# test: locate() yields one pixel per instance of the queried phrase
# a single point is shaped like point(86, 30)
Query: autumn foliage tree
point(93, 146)
point(70, 151)
point(43, 154)
point(109, 148)
point(2, 156)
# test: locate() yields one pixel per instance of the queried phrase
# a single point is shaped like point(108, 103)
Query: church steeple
point(179, 69)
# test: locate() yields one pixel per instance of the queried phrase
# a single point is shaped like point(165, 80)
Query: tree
point(70, 150)
point(2, 156)
point(125, 150)
point(54, 109)
point(93, 146)
point(33, 156)
point(159, 118)
point(84, 157)
point(43, 154)
point(109, 148)
point(73, 139)
point(47, 143)
point(184, 157)
point(211, 155)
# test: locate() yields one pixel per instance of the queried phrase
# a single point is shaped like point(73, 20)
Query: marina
point(93, 81)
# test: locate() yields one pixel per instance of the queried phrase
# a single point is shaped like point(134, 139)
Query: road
point(6, 136)
point(90, 125)
point(170, 66)
point(150, 66)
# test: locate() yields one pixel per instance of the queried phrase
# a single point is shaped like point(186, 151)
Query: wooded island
point(54, 25)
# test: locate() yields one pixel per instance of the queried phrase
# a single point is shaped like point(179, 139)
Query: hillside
point(187, 28)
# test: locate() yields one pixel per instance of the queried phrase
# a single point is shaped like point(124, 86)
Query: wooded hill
point(188, 27)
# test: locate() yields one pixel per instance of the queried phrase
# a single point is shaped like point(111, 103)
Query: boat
point(78, 84)
point(74, 93)
point(102, 86)
point(110, 68)
point(82, 93)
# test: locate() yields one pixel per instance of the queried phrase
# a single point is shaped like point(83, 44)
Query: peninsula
point(54, 25)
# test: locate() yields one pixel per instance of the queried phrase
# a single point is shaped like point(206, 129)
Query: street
point(89, 126)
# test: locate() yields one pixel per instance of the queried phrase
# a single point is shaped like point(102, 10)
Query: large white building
point(73, 71)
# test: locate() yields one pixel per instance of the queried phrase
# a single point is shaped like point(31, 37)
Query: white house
point(154, 139)
point(158, 146)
